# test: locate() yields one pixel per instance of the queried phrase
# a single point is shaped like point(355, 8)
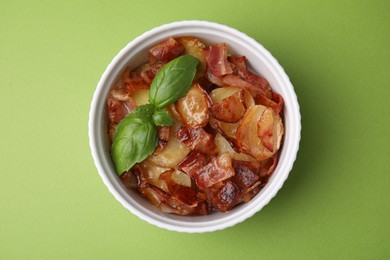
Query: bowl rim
point(218, 224)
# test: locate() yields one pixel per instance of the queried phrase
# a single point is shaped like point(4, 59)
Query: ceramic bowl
point(259, 60)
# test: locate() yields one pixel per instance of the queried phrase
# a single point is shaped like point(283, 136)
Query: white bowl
point(259, 60)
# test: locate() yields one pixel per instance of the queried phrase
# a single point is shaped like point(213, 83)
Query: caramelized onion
point(150, 173)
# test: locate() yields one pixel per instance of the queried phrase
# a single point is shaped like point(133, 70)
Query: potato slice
point(219, 94)
point(248, 99)
point(248, 132)
point(173, 111)
point(140, 96)
point(181, 178)
point(174, 152)
point(230, 103)
point(194, 107)
point(223, 146)
point(230, 109)
point(194, 47)
point(229, 129)
point(270, 130)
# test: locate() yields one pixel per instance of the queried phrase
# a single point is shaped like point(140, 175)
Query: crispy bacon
point(175, 206)
point(206, 84)
point(194, 161)
point(136, 82)
point(197, 139)
point(237, 81)
point(216, 59)
point(182, 201)
point(268, 166)
point(117, 110)
point(218, 169)
point(276, 103)
point(258, 81)
point(242, 71)
point(250, 193)
point(184, 194)
point(214, 79)
point(165, 51)
point(130, 180)
point(240, 188)
point(207, 171)
point(164, 132)
point(239, 63)
point(226, 198)
point(246, 174)
point(163, 137)
point(153, 194)
point(149, 71)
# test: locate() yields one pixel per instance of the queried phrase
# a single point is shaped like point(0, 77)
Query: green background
point(334, 205)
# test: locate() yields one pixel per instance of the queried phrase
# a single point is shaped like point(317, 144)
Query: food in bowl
point(194, 130)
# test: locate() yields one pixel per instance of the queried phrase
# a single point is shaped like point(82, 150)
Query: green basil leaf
point(173, 81)
point(145, 110)
point(162, 118)
point(135, 139)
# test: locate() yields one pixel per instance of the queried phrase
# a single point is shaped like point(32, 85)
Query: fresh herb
point(162, 118)
point(136, 135)
point(127, 148)
point(173, 81)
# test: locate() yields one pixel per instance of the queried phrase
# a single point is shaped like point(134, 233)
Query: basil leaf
point(173, 81)
point(162, 118)
point(146, 110)
point(135, 139)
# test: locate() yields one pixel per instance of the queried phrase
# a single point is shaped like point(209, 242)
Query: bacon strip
point(216, 59)
point(207, 171)
point(246, 174)
point(149, 71)
point(197, 139)
point(239, 63)
point(226, 198)
point(276, 103)
point(183, 201)
point(237, 81)
point(256, 80)
point(165, 51)
point(194, 161)
point(268, 166)
point(117, 110)
point(163, 138)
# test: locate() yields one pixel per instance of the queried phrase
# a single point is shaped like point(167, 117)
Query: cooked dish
point(214, 145)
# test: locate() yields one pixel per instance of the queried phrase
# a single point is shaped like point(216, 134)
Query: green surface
point(335, 204)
